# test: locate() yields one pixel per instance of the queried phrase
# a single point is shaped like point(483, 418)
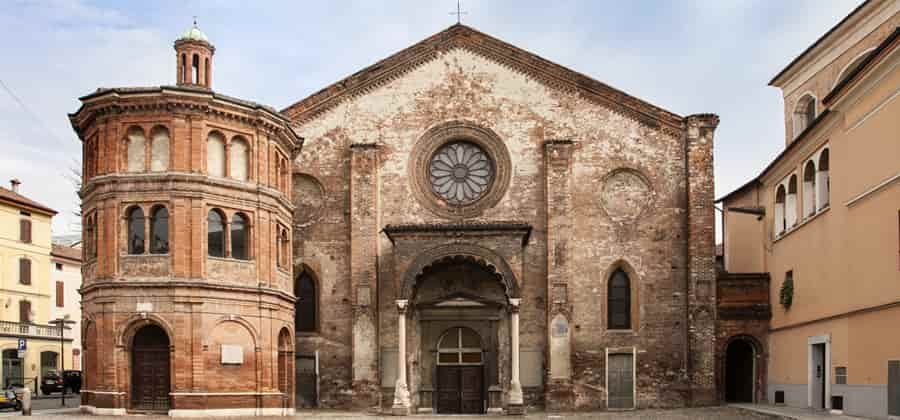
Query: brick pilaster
point(558, 167)
point(364, 225)
point(701, 256)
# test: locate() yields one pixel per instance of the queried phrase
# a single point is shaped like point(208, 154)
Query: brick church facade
point(467, 228)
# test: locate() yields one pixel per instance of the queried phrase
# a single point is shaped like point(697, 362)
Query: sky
point(687, 56)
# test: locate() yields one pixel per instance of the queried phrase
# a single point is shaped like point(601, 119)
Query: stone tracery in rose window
point(461, 173)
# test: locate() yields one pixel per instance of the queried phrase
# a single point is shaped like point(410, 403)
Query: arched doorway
point(739, 371)
point(285, 353)
point(150, 369)
point(13, 371)
point(460, 372)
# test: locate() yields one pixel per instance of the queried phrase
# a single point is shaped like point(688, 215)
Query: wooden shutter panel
point(25, 231)
point(25, 271)
point(24, 311)
point(60, 298)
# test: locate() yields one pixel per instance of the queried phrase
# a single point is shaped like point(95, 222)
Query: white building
point(65, 278)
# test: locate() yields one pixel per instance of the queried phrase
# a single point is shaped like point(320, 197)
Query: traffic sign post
point(23, 344)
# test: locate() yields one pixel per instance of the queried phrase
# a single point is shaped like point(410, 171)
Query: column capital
point(514, 304)
point(402, 305)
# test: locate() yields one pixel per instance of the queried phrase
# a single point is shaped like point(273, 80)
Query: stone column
point(516, 400)
point(401, 391)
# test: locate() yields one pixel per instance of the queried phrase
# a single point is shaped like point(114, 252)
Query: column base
point(400, 410)
point(515, 410)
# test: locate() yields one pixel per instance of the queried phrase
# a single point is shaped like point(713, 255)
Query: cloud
point(685, 56)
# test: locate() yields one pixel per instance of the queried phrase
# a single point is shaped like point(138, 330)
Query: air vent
point(837, 402)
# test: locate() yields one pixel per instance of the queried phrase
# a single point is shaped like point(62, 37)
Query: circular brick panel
point(626, 195)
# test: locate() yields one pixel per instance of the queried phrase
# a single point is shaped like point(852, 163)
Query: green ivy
point(787, 293)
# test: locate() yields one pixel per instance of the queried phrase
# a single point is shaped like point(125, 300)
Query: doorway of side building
point(460, 372)
point(150, 374)
point(818, 376)
point(307, 381)
point(13, 373)
point(739, 371)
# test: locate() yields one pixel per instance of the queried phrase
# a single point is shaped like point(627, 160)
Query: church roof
point(517, 59)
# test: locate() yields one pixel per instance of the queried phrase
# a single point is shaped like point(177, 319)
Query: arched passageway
point(150, 375)
point(739, 371)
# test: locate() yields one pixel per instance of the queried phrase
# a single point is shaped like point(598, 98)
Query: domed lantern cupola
point(194, 54)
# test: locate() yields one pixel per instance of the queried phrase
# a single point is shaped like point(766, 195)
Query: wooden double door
point(150, 370)
point(460, 389)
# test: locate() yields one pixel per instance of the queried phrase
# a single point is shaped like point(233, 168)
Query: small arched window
point(195, 70)
point(215, 154)
point(215, 236)
point(136, 150)
point(790, 205)
point(135, 231)
point(184, 69)
point(780, 223)
point(804, 113)
point(159, 149)
point(240, 239)
point(809, 189)
point(239, 157)
point(159, 230)
point(306, 314)
point(823, 181)
point(619, 301)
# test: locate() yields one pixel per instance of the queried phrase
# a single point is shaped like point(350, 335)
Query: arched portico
point(459, 287)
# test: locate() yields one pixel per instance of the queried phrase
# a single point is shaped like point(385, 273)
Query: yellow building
point(25, 291)
point(822, 220)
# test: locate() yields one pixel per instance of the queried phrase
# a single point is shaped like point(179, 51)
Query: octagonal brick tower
point(188, 291)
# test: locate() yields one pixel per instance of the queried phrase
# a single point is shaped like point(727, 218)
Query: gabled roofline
point(814, 45)
point(461, 36)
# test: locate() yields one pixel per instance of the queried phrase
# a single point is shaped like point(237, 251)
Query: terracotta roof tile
point(22, 201)
point(66, 252)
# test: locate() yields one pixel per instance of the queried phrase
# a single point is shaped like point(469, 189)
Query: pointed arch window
point(307, 312)
point(159, 230)
point(135, 231)
point(240, 248)
point(619, 301)
point(215, 235)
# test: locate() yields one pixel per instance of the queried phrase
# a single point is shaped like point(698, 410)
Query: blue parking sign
point(23, 344)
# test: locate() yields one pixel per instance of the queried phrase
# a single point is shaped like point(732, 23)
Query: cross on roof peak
point(458, 13)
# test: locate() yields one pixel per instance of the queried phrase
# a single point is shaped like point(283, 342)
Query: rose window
point(461, 172)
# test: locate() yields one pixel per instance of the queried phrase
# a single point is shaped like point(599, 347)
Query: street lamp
point(62, 323)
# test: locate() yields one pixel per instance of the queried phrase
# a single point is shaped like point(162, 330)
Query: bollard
point(26, 401)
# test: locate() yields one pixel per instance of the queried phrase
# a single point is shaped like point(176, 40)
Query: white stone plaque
point(232, 354)
point(144, 307)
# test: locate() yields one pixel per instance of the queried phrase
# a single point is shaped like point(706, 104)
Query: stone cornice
point(463, 37)
point(183, 99)
point(98, 284)
point(504, 227)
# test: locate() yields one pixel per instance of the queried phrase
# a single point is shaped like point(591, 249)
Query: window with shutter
point(24, 271)
point(619, 301)
point(25, 231)
point(60, 297)
point(24, 311)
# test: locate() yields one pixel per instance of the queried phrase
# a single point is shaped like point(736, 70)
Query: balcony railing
point(25, 329)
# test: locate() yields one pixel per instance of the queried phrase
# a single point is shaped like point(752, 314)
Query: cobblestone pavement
point(726, 413)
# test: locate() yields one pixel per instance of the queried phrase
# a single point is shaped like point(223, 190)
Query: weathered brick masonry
point(601, 180)
point(484, 230)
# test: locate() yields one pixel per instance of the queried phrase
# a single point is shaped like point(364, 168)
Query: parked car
point(51, 382)
point(9, 399)
point(72, 380)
